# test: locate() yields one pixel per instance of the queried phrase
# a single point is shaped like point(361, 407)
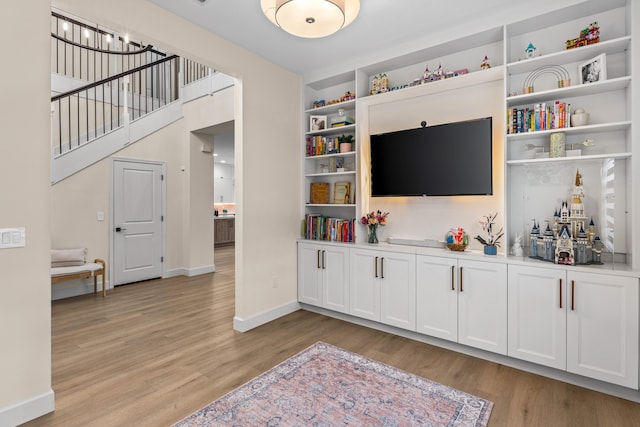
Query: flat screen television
point(452, 159)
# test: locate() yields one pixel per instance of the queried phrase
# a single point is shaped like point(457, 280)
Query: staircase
point(109, 92)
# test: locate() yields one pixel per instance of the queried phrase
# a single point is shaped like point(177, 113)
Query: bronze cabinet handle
point(453, 269)
point(376, 266)
point(382, 268)
point(324, 257)
point(573, 283)
point(460, 279)
point(560, 293)
point(318, 258)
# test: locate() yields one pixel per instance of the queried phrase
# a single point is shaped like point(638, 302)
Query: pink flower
point(374, 218)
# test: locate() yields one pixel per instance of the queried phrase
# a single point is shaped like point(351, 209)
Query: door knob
point(119, 229)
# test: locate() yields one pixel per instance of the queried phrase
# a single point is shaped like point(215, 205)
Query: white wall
point(223, 186)
point(264, 137)
point(25, 303)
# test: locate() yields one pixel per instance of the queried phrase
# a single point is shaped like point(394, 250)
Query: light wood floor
point(151, 353)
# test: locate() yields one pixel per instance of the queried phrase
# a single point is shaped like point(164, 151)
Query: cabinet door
point(602, 327)
point(437, 297)
point(537, 321)
point(335, 278)
point(482, 305)
point(364, 299)
point(398, 289)
point(310, 274)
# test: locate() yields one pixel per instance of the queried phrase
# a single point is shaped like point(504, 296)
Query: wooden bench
point(84, 271)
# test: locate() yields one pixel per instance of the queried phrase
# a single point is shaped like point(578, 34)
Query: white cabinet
point(602, 327)
point(585, 323)
point(323, 276)
point(537, 315)
point(437, 297)
point(383, 287)
point(463, 301)
point(482, 305)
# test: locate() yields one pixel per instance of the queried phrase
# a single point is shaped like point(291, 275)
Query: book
point(319, 193)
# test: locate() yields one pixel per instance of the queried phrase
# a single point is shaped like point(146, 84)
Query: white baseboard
point(27, 410)
point(201, 270)
point(244, 325)
point(83, 286)
point(189, 271)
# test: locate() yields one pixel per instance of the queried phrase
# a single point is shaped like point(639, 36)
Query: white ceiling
point(382, 27)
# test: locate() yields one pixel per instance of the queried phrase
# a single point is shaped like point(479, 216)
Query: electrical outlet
point(12, 237)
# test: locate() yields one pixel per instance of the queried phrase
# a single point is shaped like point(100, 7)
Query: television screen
point(451, 159)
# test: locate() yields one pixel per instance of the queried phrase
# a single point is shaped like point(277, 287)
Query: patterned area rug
point(328, 386)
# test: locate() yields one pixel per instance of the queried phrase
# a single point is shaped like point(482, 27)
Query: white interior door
point(137, 221)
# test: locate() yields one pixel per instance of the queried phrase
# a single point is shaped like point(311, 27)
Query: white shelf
point(331, 205)
point(452, 83)
point(311, 175)
point(569, 56)
point(578, 130)
point(571, 91)
point(570, 159)
point(333, 108)
point(325, 156)
point(332, 131)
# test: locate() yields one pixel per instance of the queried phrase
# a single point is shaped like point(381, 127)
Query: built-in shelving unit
point(532, 297)
point(545, 181)
point(535, 185)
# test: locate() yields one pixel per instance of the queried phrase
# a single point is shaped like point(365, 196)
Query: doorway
point(137, 236)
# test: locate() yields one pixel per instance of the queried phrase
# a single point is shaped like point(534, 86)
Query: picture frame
point(317, 123)
point(593, 70)
point(341, 193)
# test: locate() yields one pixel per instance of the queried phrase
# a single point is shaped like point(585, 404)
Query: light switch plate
point(12, 237)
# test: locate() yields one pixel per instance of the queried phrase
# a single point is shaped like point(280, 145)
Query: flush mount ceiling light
point(311, 18)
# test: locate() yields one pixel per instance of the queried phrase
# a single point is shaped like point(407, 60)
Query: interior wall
point(201, 237)
point(268, 197)
point(432, 217)
point(25, 301)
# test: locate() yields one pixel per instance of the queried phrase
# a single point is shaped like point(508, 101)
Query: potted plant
point(346, 143)
point(491, 242)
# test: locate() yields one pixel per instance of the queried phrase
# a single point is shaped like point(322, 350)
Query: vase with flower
point(372, 220)
point(491, 242)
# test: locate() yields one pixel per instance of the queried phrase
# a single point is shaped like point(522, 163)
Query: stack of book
point(539, 117)
point(319, 145)
point(319, 227)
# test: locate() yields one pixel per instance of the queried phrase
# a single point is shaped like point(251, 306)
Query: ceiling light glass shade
point(311, 18)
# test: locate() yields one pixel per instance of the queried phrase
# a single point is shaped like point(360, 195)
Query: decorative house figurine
point(547, 244)
point(535, 235)
point(564, 248)
point(530, 50)
point(581, 247)
point(589, 35)
point(597, 250)
point(485, 63)
point(568, 241)
point(426, 75)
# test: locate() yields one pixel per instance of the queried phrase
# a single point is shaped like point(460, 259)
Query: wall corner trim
point(27, 410)
point(244, 325)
